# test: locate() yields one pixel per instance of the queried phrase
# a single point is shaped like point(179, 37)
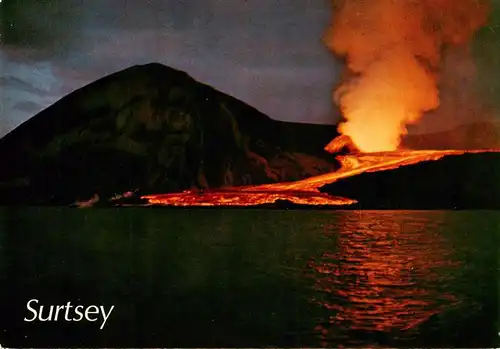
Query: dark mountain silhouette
point(152, 128)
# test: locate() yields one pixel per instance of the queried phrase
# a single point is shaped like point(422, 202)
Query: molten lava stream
point(240, 197)
point(304, 192)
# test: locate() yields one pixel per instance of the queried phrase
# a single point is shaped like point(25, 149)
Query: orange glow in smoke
point(393, 52)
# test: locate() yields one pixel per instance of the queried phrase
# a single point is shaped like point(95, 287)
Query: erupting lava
point(393, 54)
point(392, 50)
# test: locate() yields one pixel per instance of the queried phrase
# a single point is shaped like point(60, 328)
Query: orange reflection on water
point(384, 275)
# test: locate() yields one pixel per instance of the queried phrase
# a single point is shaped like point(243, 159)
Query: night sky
point(267, 53)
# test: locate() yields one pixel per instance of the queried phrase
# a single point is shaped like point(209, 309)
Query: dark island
point(152, 129)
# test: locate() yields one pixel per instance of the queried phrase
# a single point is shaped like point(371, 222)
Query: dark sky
point(267, 53)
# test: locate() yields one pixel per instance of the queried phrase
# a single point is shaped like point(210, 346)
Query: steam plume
point(393, 52)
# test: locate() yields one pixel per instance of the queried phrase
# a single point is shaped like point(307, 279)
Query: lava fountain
point(392, 50)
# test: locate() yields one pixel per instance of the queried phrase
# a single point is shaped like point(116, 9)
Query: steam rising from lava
point(393, 51)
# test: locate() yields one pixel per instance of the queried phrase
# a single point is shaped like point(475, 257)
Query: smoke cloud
point(393, 51)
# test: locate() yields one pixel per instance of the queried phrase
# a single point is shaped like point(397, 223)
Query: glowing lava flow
point(244, 196)
point(306, 191)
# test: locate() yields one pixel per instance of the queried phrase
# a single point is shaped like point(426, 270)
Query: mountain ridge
point(153, 128)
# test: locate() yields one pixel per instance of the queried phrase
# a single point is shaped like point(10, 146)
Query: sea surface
point(253, 278)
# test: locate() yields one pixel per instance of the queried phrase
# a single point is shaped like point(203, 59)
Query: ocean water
point(252, 278)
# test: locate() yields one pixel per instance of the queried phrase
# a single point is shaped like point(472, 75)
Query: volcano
point(154, 135)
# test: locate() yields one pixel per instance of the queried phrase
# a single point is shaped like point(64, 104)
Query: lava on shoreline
point(306, 191)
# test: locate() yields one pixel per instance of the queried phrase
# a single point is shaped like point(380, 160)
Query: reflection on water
point(384, 276)
point(252, 278)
